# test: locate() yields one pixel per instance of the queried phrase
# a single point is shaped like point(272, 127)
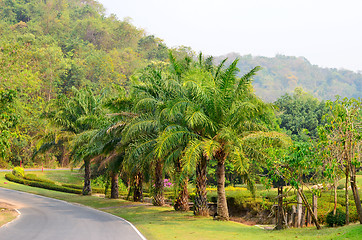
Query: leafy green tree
point(344, 133)
point(291, 166)
point(81, 116)
point(300, 111)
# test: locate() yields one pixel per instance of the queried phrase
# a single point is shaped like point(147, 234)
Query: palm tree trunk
point(222, 207)
point(114, 185)
point(87, 190)
point(138, 188)
point(200, 205)
point(182, 199)
point(158, 197)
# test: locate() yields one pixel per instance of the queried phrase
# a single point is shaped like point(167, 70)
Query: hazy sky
point(327, 32)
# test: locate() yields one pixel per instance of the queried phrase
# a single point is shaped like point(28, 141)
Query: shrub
point(45, 185)
point(18, 171)
point(336, 220)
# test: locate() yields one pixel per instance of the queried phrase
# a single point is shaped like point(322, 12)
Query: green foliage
point(293, 166)
point(8, 121)
point(339, 219)
point(18, 171)
point(300, 114)
point(49, 47)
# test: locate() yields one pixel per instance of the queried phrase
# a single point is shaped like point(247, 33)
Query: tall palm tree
point(219, 112)
point(154, 90)
point(80, 115)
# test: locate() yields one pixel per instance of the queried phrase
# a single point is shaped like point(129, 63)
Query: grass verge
point(7, 213)
point(165, 223)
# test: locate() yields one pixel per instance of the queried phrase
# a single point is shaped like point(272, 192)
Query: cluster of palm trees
point(174, 119)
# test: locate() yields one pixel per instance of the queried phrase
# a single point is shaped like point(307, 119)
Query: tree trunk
point(315, 206)
point(138, 188)
point(309, 219)
point(200, 206)
point(335, 197)
point(299, 209)
point(62, 159)
point(302, 222)
point(114, 185)
point(356, 195)
point(307, 205)
point(222, 207)
point(280, 223)
point(293, 216)
point(347, 200)
point(158, 196)
point(182, 201)
point(87, 190)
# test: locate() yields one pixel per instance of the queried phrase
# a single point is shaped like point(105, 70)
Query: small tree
point(293, 165)
point(344, 133)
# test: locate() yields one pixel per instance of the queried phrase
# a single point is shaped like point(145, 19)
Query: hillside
point(48, 47)
point(281, 74)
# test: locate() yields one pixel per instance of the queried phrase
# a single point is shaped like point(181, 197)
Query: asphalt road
point(45, 218)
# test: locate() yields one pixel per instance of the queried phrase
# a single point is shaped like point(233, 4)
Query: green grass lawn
point(62, 176)
point(165, 223)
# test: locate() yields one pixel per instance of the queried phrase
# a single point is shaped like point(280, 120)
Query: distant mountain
point(282, 74)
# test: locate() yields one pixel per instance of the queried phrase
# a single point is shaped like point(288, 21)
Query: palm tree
point(80, 116)
point(153, 91)
point(218, 113)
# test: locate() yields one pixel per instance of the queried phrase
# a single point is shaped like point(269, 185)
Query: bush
point(336, 220)
point(45, 185)
point(18, 171)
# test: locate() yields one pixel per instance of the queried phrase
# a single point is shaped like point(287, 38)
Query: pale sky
point(327, 32)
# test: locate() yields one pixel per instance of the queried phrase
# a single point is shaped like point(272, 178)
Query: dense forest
point(48, 47)
point(282, 74)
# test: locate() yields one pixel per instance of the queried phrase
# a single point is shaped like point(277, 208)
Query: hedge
point(45, 185)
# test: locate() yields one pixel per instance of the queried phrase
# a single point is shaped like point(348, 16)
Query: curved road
point(45, 218)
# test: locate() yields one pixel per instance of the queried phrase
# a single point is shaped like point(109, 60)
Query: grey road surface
point(45, 218)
